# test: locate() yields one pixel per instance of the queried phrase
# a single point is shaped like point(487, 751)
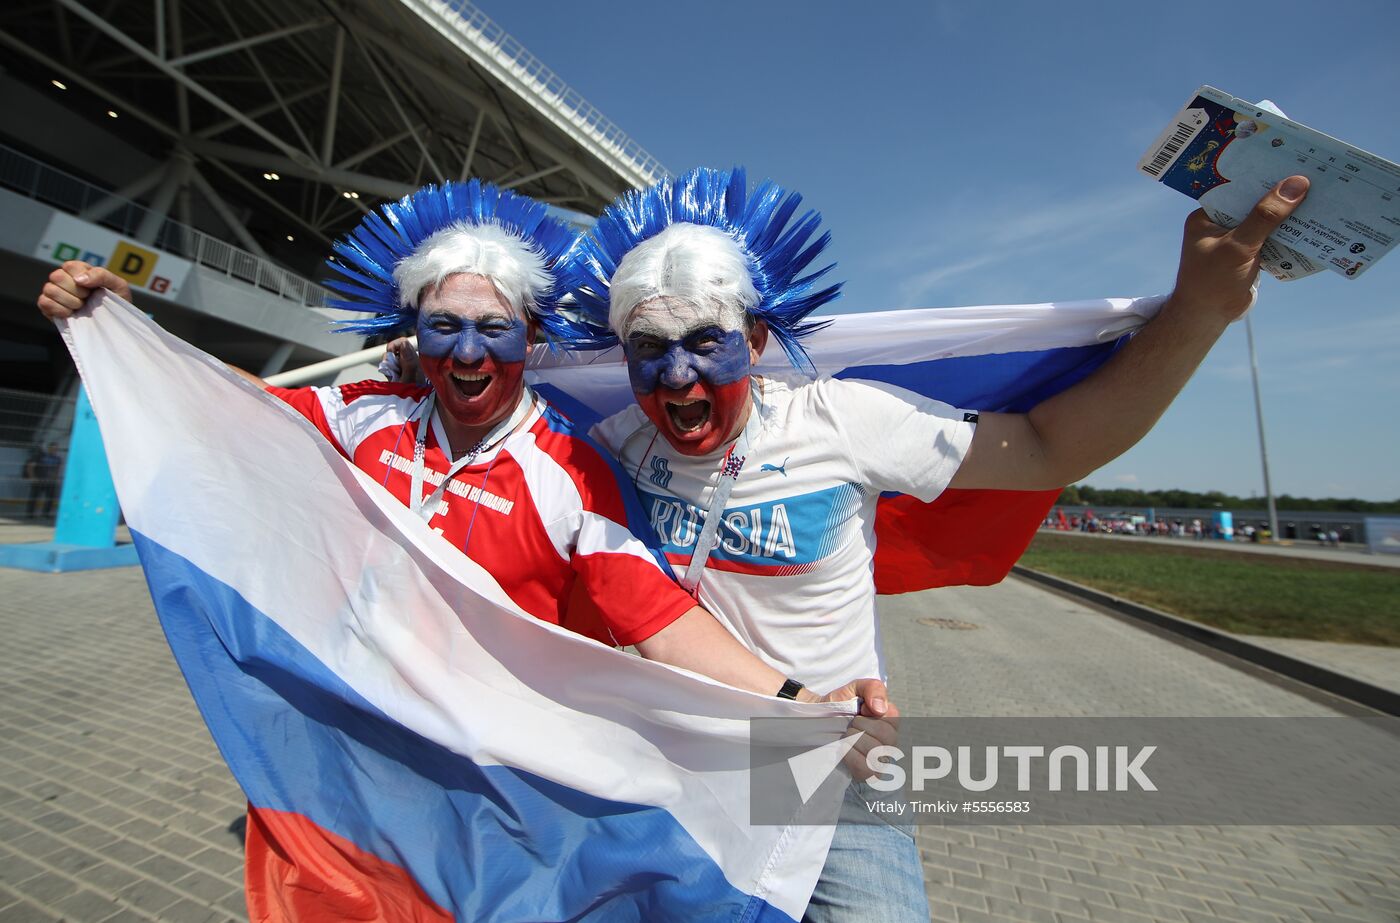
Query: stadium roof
point(311, 110)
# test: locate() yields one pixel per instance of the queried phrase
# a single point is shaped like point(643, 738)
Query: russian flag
point(412, 745)
point(999, 358)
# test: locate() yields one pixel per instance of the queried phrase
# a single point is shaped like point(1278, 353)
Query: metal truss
point(309, 111)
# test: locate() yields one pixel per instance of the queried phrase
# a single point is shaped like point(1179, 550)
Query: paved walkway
point(1035, 653)
point(114, 803)
point(115, 806)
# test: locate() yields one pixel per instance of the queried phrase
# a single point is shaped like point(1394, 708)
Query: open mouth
point(688, 416)
point(468, 385)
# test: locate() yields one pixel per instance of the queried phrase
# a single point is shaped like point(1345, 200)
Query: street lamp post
point(1259, 417)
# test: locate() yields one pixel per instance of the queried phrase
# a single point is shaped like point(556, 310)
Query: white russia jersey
point(792, 571)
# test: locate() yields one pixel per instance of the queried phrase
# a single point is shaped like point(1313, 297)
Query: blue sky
point(964, 156)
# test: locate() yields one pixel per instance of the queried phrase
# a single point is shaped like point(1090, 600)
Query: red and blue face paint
point(472, 347)
point(694, 387)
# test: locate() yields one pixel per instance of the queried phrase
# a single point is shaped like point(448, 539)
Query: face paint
point(472, 346)
point(690, 375)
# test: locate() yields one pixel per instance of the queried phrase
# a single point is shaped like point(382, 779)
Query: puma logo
point(781, 469)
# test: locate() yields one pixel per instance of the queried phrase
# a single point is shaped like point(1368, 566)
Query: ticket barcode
point(1167, 153)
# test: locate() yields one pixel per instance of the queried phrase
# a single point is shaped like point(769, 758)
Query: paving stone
point(109, 878)
point(1055, 902)
point(187, 911)
point(983, 885)
point(959, 898)
point(208, 888)
point(1149, 908)
point(164, 868)
point(127, 915)
point(218, 861)
point(46, 888)
point(234, 905)
point(26, 912)
point(15, 868)
point(128, 852)
point(148, 895)
point(1086, 894)
point(71, 861)
point(1129, 873)
point(1015, 909)
point(1238, 914)
point(140, 830)
point(86, 905)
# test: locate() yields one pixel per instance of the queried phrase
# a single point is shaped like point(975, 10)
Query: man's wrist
point(790, 689)
point(1207, 314)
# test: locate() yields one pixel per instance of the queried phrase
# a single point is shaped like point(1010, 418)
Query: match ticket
point(1226, 153)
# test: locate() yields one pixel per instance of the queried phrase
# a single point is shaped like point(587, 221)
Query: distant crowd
point(1120, 524)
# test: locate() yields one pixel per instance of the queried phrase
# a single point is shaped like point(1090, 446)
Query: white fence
point(63, 191)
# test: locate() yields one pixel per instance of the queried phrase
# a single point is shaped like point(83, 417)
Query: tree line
point(1084, 495)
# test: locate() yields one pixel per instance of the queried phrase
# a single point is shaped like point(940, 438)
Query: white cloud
point(1006, 232)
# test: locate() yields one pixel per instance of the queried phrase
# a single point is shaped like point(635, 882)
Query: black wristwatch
point(791, 688)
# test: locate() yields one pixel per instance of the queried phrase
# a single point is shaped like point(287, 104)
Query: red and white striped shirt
point(545, 511)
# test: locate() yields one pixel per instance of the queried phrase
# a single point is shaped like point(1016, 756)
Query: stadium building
point(211, 152)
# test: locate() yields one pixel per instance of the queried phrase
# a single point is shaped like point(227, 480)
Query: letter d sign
point(133, 263)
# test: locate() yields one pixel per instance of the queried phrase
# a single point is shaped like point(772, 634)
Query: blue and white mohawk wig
point(456, 227)
point(775, 249)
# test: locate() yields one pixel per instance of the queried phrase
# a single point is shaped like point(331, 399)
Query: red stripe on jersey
point(682, 561)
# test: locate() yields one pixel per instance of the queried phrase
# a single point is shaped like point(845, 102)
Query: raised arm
point(70, 285)
point(1070, 435)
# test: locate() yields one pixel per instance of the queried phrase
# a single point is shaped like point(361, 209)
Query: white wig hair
point(512, 265)
point(701, 266)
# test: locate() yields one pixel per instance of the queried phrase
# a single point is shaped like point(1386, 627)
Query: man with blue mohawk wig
point(763, 489)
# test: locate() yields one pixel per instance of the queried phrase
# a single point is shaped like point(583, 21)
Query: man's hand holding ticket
point(1227, 152)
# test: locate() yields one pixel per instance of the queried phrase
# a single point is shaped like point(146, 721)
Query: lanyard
point(426, 509)
point(729, 468)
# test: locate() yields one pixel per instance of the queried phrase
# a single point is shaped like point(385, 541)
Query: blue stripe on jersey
point(797, 529)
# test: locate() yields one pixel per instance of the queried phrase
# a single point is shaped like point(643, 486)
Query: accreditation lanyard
point(426, 509)
point(729, 468)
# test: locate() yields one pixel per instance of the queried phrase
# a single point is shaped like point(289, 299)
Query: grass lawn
point(1255, 594)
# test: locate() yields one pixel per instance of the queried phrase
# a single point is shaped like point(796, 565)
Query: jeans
point(873, 873)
